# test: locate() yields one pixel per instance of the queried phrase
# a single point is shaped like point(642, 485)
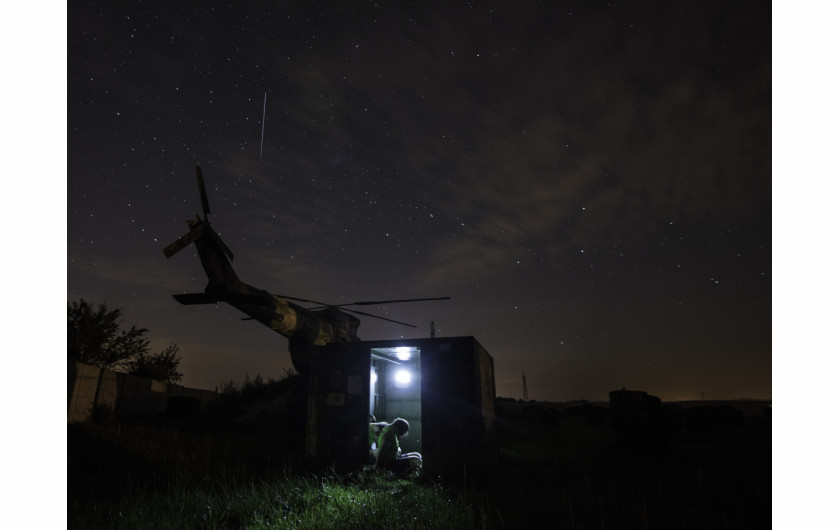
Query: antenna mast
point(524, 387)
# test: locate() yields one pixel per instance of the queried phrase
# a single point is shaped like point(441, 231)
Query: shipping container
point(444, 387)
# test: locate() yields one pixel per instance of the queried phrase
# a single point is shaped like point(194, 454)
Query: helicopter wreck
point(304, 327)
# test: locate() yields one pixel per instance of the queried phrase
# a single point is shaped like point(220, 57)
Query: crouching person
point(374, 432)
point(389, 456)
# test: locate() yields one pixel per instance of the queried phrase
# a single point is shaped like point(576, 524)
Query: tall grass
point(364, 500)
point(574, 474)
point(241, 466)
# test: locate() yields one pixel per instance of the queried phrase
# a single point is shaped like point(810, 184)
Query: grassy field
point(231, 498)
point(578, 471)
point(548, 468)
point(237, 465)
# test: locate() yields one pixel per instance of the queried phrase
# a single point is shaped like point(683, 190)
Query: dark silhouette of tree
point(95, 336)
point(162, 366)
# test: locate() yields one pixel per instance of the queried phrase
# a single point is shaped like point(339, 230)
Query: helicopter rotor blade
point(205, 204)
point(379, 302)
point(385, 302)
point(379, 317)
point(183, 241)
point(321, 304)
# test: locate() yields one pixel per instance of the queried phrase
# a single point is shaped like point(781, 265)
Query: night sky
point(590, 182)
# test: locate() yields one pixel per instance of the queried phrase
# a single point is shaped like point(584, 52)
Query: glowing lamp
point(402, 378)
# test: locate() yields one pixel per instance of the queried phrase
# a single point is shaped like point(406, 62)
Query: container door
point(339, 394)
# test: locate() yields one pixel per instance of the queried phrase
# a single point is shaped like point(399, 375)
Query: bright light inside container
point(403, 353)
point(373, 377)
point(402, 378)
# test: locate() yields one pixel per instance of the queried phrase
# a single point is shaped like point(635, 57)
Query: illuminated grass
point(362, 501)
point(565, 473)
point(153, 476)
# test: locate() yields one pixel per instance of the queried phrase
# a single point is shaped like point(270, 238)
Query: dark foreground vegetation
point(576, 468)
point(239, 464)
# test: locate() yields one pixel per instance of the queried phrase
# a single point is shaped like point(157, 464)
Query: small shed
point(444, 387)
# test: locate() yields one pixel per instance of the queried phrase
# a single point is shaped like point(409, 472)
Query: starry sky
point(590, 182)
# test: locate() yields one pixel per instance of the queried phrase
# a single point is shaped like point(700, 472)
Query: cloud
point(138, 273)
point(688, 153)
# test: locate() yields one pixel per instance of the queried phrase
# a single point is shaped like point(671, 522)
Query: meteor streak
point(262, 133)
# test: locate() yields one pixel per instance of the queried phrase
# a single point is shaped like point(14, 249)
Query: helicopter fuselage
point(303, 327)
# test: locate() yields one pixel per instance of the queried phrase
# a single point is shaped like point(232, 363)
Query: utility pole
point(524, 387)
point(432, 328)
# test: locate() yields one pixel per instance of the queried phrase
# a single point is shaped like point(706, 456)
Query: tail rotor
point(198, 227)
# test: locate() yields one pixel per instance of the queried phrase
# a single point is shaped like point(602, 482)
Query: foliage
point(95, 336)
point(252, 389)
point(575, 475)
point(162, 366)
point(252, 395)
point(101, 412)
point(155, 476)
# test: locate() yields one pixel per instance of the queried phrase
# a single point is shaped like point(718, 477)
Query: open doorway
point(395, 390)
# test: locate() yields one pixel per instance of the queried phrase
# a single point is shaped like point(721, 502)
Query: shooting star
point(262, 134)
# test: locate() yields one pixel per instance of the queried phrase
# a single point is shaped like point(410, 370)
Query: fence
point(90, 387)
